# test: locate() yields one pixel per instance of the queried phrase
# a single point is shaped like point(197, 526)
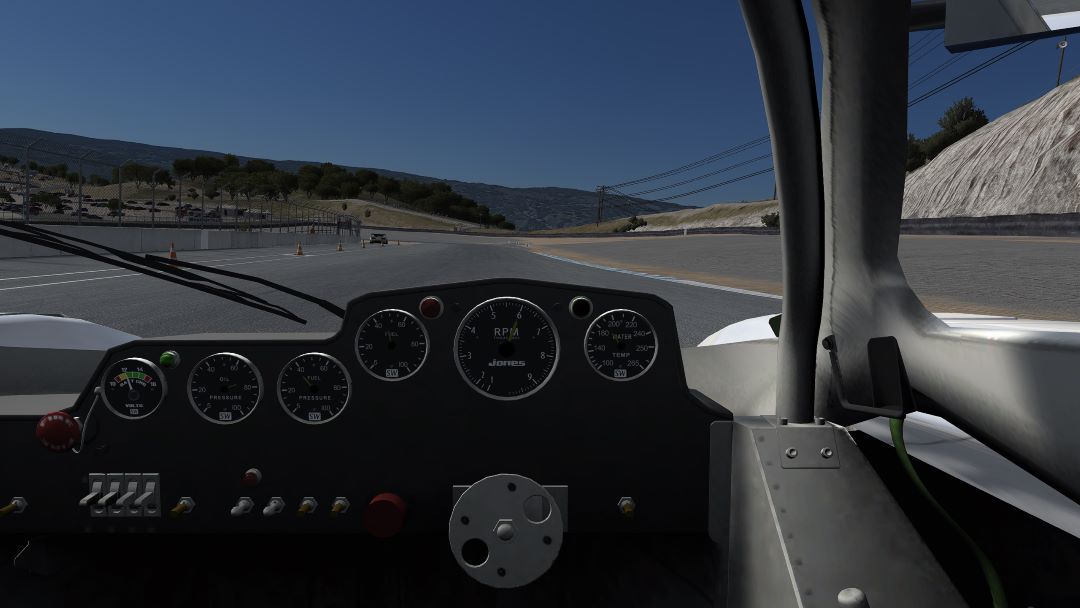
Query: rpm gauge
point(133, 388)
point(314, 388)
point(506, 348)
point(224, 388)
point(391, 344)
point(620, 344)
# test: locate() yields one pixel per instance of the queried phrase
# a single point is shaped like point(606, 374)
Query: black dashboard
point(378, 428)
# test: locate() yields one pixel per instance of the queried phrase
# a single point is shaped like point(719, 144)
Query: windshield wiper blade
point(153, 268)
point(167, 265)
point(324, 304)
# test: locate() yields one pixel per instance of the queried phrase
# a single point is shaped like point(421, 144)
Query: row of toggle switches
point(123, 495)
point(276, 505)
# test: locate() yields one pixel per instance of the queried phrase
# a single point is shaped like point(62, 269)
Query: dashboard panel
point(422, 391)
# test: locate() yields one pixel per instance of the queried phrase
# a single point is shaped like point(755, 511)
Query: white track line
point(661, 277)
point(278, 257)
point(63, 274)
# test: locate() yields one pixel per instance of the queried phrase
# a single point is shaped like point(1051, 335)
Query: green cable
point(997, 592)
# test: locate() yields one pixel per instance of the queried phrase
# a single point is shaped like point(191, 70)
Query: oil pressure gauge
point(620, 344)
point(224, 388)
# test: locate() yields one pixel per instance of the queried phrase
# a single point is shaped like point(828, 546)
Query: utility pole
point(1061, 45)
point(79, 211)
point(26, 191)
point(600, 204)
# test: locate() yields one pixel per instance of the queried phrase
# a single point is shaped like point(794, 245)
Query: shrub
point(632, 223)
point(771, 220)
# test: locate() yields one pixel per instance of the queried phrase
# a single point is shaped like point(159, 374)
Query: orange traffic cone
point(172, 252)
point(299, 249)
point(339, 247)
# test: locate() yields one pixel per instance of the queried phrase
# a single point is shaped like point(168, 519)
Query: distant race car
point(379, 237)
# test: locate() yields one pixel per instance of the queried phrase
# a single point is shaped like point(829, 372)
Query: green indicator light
point(169, 358)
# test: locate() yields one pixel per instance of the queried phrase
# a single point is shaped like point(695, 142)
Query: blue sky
point(517, 93)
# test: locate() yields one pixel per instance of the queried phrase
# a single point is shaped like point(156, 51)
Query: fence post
point(79, 210)
point(26, 191)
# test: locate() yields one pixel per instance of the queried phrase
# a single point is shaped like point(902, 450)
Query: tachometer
point(391, 344)
point(506, 348)
point(224, 388)
point(314, 388)
point(620, 344)
point(133, 388)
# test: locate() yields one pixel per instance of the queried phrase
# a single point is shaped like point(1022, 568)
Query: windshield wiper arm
point(151, 267)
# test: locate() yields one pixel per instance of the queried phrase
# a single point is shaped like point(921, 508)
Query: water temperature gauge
point(133, 388)
point(620, 345)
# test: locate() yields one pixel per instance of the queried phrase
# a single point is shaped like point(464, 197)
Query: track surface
point(1029, 277)
point(148, 307)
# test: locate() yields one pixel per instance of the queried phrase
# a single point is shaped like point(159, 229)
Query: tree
point(163, 177)
point(960, 120)
point(771, 220)
point(350, 189)
point(308, 178)
point(344, 206)
point(371, 188)
point(916, 155)
point(388, 187)
point(231, 161)
point(256, 165)
point(286, 183)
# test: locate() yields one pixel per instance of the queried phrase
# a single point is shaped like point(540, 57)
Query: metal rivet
point(791, 452)
point(783, 421)
point(826, 452)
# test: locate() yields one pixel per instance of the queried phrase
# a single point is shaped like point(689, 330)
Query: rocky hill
point(1027, 161)
point(527, 208)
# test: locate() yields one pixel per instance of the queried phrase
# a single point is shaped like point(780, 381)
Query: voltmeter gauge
point(620, 344)
point(506, 348)
point(314, 388)
point(133, 388)
point(391, 344)
point(224, 388)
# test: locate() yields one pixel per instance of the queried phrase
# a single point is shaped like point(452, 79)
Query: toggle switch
point(113, 490)
point(184, 506)
point(243, 507)
point(339, 506)
point(95, 493)
point(307, 505)
point(275, 506)
point(150, 498)
point(16, 506)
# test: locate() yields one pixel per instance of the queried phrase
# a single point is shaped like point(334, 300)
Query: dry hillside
point(1026, 161)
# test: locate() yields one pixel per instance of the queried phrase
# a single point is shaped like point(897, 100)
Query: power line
point(921, 43)
point(934, 72)
point(709, 159)
point(922, 54)
point(713, 186)
point(975, 70)
point(702, 176)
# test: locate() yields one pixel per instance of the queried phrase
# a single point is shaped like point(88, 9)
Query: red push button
point(384, 515)
point(58, 431)
point(431, 307)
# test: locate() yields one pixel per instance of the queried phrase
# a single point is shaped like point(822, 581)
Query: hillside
point(1027, 161)
point(528, 208)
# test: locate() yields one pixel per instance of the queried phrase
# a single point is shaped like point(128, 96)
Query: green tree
point(916, 155)
point(388, 187)
point(231, 161)
point(285, 183)
point(350, 189)
point(256, 165)
point(308, 178)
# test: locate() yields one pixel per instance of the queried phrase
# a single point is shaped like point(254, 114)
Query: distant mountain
point(527, 208)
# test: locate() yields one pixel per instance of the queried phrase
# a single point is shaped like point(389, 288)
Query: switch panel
point(123, 495)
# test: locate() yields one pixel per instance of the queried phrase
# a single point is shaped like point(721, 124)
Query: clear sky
point(553, 93)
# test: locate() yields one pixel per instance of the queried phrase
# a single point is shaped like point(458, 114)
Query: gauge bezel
point(588, 332)
point(348, 381)
point(423, 329)
point(157, 371)
point(243, 359)
point(457, 360)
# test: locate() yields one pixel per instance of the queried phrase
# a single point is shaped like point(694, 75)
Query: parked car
point(379, 237)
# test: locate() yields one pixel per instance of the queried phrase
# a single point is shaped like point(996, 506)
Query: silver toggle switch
point(243, 507)
point(275, 506)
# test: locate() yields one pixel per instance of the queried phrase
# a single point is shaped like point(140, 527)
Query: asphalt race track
point(1022, 276)
point(149, 307)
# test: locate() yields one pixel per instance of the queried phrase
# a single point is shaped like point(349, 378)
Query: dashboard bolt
point(826, 452)
point(627, 506)
point(791, 452)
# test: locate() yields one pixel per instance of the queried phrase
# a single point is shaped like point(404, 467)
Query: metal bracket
point(809, 446)
point(561, 494)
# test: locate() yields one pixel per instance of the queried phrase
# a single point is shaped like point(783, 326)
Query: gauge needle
point(513, 328)
point(306, 381)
